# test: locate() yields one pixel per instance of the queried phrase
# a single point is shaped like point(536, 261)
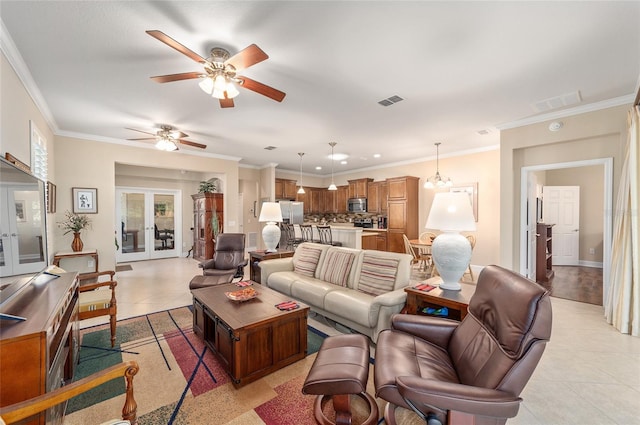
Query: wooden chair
point(96, 302)
point(24, 409)
point(472, 241)
point(418, 258)
point(427, 238)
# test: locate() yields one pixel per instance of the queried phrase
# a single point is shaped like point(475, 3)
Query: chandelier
point(437, 180)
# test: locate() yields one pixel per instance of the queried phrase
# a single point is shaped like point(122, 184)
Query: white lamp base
point(452, 253)
point(271, 236)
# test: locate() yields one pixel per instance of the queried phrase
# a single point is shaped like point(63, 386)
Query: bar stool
point(306, 230)
point(325, 236)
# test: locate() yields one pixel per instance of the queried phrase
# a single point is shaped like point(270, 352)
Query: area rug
point(181, 382)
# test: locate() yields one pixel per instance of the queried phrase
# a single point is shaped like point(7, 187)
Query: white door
point(22, 230)
point(531, 227)
point(561, 207)
point(148, 224)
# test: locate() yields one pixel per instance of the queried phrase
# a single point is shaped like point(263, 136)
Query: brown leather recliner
point(469, 372)
point(228, 259)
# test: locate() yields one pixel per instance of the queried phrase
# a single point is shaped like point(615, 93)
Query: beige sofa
point(360, 289)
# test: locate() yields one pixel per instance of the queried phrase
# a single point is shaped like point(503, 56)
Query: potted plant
point(75, 223)
point(208, 186)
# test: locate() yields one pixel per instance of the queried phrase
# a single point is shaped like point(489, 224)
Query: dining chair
point(472, 241)
point(417, 256)
point(95, 300)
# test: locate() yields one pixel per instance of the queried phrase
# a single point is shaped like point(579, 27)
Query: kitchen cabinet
point(359, 188)
point(369, 240)
point(402, 214)
point(377, 197)
point(381, 241)
point(286, 189)
point(329, 201)
point(207, 222)
point(315, 199)
point(342, 194)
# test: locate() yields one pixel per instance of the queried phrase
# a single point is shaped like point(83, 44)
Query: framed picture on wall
point(51, 198)
point(85, 200)
point(470, 189)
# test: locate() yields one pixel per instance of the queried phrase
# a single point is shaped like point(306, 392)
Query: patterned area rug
point(181, 382)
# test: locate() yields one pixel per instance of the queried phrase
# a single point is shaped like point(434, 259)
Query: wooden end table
point(256, 256)
point(456, 301)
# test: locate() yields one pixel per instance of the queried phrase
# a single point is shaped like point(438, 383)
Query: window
point(38, 153)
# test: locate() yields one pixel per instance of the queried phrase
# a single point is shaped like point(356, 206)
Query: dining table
point(424, 251)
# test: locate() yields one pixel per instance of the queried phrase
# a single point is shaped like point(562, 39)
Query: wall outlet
point(91, 263)
point(592, 251)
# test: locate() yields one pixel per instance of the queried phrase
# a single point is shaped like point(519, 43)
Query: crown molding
point(582, 109)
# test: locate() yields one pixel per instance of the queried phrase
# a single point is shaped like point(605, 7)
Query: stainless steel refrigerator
point(292, 212)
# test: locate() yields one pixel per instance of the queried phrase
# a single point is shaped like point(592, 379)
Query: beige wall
point(83, 163)
point(592, 135)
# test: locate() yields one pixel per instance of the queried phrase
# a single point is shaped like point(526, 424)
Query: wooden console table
point(256, 256)
point(65, 255)
point(39, 354)
point(456, 301)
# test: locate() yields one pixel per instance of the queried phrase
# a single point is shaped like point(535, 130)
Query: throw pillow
point(336, 267)
point(307, 260)
point(378, 274)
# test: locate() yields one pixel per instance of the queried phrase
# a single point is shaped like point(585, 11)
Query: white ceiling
point(461, 67)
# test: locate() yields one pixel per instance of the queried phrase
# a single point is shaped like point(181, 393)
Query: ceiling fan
point(220, 71)
point(168, 138)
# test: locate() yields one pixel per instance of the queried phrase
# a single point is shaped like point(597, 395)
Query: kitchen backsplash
point(340, 218)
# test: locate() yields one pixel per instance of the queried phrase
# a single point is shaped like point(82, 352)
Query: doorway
point(607, 205)
point(147, 224)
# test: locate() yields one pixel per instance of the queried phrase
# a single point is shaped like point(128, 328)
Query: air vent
point(483, 132)
point(390, 100)
point(561, 101)
point(270, 148)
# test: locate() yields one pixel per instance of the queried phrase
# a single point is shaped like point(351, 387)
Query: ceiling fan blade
point(144, 138)
point(176, 77)
point(262, 89)
point(140, 131)
point(194, 144)
point(226, 103)
point(173, 43)
point(247, 57)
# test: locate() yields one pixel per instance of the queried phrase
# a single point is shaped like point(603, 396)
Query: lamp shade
point(270, 212)
point(451, 211)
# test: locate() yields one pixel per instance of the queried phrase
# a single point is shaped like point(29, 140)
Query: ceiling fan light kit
point(437, 181)
point(219, 77)
point(167, 138)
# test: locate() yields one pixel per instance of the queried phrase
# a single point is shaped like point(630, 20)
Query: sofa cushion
point(377, 274)
point(282, 281)
point(307, 260)
point(311, 291)
point(336, 267)
point(353, 305)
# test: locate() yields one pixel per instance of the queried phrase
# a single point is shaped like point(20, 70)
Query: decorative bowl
point(244, 294)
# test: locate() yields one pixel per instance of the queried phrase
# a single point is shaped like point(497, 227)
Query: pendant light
point(437, 180)
point(301, 189)
point(332, 186)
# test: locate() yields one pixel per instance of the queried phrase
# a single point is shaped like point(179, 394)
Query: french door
point(148, 224)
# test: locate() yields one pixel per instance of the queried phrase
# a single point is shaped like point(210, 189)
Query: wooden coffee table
point(251, 338)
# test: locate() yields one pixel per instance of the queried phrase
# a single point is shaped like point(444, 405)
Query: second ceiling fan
point(220, 71)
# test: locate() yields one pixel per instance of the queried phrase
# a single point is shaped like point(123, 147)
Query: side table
point(457, 302)
point(91, 266)
point(256, 256)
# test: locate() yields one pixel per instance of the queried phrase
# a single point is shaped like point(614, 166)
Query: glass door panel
point(147, 227)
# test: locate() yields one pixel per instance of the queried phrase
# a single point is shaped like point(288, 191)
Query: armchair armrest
point(91, 286)
point(209, 264)
point(458, 397)
point(95, 276)
point(24, 409)
point(433, 329)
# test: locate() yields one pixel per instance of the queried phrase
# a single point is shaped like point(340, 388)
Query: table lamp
point(271, 214)
point(451, 213)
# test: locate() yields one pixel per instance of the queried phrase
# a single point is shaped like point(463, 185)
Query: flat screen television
point(23, 229)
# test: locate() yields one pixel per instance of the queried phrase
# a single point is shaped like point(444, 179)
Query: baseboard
point(595, 264)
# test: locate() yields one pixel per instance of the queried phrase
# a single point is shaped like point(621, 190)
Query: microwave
point(357, 205)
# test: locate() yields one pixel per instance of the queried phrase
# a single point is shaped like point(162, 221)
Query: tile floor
point(589, 373)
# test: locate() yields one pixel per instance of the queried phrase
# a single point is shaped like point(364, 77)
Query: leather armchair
point(469, 372)
point(228, 257)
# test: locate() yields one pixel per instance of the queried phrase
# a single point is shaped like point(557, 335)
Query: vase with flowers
point(74, 223)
